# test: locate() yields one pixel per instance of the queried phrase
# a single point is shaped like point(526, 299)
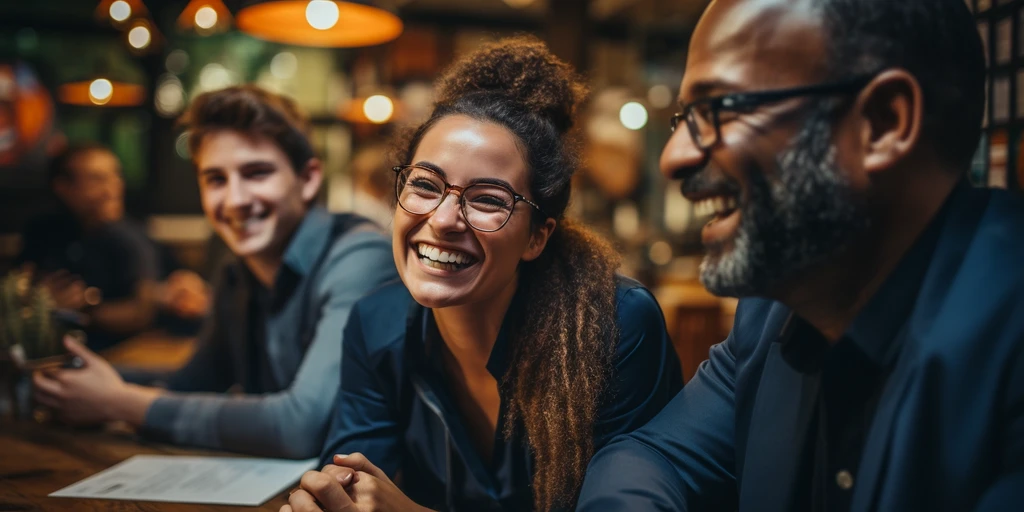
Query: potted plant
point(31, 333)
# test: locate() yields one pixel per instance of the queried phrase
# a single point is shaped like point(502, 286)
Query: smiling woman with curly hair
point(511, 350)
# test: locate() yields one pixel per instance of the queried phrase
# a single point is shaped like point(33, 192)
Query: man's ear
point(311, 176)
point(539, 239)
point(891, 110)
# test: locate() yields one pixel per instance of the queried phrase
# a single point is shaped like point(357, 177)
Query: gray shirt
point(332, 261)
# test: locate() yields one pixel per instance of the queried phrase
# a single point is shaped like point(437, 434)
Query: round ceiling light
point(120, 10)
point(320, 23)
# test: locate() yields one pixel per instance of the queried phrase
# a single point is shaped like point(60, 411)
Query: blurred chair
point(696, 319)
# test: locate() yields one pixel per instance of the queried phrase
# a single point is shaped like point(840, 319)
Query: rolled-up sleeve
point(291, 423)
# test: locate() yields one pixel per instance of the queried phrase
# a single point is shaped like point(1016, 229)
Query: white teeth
point(718, 205)
point(437, 258)
point(242, 224)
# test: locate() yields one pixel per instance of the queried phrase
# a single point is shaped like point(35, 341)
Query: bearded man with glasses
point(876, 361)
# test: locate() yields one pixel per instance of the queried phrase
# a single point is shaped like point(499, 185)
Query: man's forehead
point(756, 44)
point(96, 160)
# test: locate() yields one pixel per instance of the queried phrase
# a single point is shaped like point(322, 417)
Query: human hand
point(351, 484)
point(81, 396)
point(67, 290)
point(186, 294)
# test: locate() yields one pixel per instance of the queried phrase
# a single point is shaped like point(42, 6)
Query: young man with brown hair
point(279, 306)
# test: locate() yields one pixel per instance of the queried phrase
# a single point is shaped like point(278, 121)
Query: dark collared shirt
point(850, 376)
point(282, 346)
point(114, 258)
point(396, 407)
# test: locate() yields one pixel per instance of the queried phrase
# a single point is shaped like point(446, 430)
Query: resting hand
point(186, 294)
point(68, 291)
point(82, 396)
point(352, 484)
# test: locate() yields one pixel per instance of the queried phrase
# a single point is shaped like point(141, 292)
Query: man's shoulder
point(984, 258)
point(351, 232)
point(126, 234)
point(757, 324)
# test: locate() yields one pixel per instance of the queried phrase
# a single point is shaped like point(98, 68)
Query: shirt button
point(844, 480)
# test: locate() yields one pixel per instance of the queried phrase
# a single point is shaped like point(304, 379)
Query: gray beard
point(789, 223)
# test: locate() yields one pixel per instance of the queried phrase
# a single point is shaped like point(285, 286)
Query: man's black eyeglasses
point(703, 116)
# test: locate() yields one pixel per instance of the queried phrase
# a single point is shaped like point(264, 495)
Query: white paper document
point(182, 479)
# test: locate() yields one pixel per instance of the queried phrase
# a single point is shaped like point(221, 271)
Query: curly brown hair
point(562, 352)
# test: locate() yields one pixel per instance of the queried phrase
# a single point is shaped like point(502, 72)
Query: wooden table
point(36, 460)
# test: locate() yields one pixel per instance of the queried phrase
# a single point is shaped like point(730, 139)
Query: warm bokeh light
point(176, 61)
point(214, 76)
point(660, 96)
point(169, 99)
point(660, 253)
point(120, 10)
point(284, 65)
point(139, 37)
point(519, 4)
point(633, 115)
point(100, 91)
point(206, 17)
point(378, 108)
point(322, 14)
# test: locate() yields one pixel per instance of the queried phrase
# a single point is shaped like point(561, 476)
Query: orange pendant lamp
point(205, 17)
point(320, 23)
point(102, 92)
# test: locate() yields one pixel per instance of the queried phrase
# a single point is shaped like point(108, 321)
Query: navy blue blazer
point(948, 432)
point(394, 404)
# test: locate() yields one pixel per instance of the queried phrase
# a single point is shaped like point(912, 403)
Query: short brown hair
point(252, 111)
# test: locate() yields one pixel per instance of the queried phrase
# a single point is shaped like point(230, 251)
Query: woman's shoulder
point(383, 314)
point(633, 297)
point(639, 316)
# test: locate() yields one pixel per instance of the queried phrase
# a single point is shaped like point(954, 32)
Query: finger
point(41, 383)
point(47, 400)
point(286, 508)
point(359, 462)
point(302, 501)
point(340, 473)
point(80, 350)
point(326, 490)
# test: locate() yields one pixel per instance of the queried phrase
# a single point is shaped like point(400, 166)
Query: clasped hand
point(351, 484)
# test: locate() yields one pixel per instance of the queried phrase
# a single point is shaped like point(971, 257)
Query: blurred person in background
point(511, 350)
point(876, 361)
point(374, 186)
point(279, 306)
point(96, 262)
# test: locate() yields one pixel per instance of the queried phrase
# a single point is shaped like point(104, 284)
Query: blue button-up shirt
point(395, 408)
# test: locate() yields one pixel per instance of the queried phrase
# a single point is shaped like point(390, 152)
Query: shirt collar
point(501, 352)
point(875, 330)
point(309, 241)
point(500, 357)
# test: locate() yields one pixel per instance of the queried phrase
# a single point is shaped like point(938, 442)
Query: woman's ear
point(539, 239)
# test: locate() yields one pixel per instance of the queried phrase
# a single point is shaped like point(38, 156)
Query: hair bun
point(525, 70)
